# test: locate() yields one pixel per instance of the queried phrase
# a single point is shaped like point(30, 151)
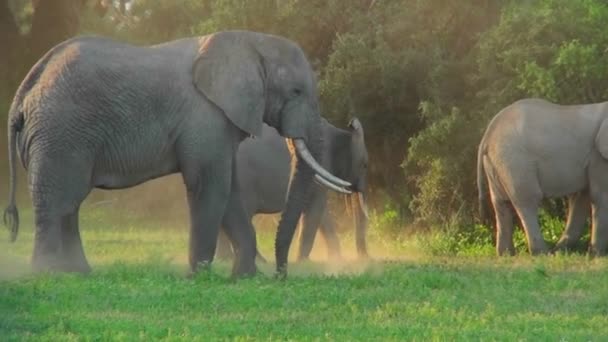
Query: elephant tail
point(15, 125)
point(11, 214)
point(482, 185)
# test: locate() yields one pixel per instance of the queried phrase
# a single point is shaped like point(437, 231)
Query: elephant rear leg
point(579, 206)
point(57, 188)
point(504, 227)
point(504, 217)
point(73, 253)
point(224, 248)
point(57, 243)
point(528, 214)
point(47, 254)
point(311, 219)
point(519, 185)
point(328, 229)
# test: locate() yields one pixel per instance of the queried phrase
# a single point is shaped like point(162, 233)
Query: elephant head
point(257, 78)
point(254, 78)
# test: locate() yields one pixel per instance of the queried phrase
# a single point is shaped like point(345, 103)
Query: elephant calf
point(534, 149)
point(264, 168)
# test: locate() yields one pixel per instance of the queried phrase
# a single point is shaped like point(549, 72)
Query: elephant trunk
point(361, 216)
point(300, 191)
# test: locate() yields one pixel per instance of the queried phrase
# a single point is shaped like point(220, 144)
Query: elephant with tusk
point(97, 113)
point(263, 175)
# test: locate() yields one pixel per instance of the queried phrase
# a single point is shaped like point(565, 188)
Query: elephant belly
point(112, 176)
point(557, 180)
point(272, 195)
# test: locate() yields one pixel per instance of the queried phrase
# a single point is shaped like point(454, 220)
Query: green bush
point(549, 49)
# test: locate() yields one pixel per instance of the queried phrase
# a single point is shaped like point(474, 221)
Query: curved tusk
point(332, 186)
point(319, 170)
point(363, 205)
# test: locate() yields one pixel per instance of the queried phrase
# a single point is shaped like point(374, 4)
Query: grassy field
point(138, 291)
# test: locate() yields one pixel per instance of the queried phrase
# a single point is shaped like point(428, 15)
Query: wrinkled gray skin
point(264, 168)
point(534, 149)
point(97, 113)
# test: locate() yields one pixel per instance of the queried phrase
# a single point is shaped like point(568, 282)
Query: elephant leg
point(598, 194)
point(208, 191)
point(504, 227)
point(310, 223)
point(328, 229)
point(361, 222)
point(57, 188)
point(528, 214)
point(599, 231)
point(73, 253)
point(224, 248)
point(578, 211)
point(239, 230)
point(259, 257)
point(47, 243)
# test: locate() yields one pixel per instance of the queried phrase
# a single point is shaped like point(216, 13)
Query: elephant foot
point(542, 249)
point(244, 266)
point(281, 273)
point(224, 254)
point(240, 271)
point(303, 258)
point(562, 247)
point(365, 257)
point(505, 252)
point(77, 267)
point(49, 263)
point(595, 252)
point(260, 258)
point(201, 266)
point(336, 257)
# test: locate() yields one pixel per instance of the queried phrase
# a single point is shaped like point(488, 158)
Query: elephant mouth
point(322, 176)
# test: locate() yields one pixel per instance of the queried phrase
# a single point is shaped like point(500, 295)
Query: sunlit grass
point(139, 290)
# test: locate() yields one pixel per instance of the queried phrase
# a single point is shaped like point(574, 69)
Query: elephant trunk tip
point(11, 221)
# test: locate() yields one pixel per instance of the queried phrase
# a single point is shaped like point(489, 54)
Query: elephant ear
point(228, 70)
point(356, 129)
point(601, 140)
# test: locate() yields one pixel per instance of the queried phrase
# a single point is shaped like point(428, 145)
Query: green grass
point(138, 290)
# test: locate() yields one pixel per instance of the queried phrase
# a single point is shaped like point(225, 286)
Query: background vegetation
point(424, 77)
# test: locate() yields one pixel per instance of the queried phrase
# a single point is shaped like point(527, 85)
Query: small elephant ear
point(601, 140)
point(356, 127)
point(229, 72)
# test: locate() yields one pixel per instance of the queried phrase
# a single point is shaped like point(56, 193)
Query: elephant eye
point(296, 92)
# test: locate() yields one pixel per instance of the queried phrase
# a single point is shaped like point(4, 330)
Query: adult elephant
point(97, 113)
point(264, 168)
point(534, 149)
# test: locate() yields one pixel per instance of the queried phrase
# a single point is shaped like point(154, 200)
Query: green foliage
point(552, 49)
point(452, 240)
